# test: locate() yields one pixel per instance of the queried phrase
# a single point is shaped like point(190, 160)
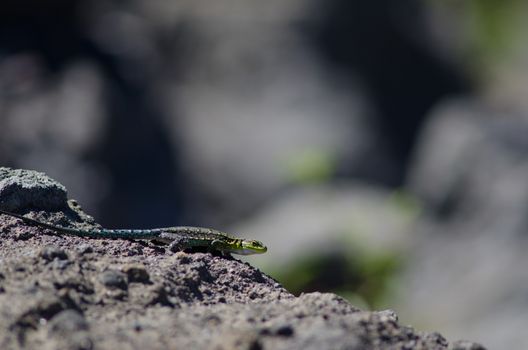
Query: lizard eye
point(257, 244)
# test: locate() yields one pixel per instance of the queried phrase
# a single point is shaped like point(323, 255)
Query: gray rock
point(469, 254)
point(114, 279)
point(27, 188)
point(68, 321)
point(137, 273)
point(69, 330)
point(50, 253)
point(159, 300)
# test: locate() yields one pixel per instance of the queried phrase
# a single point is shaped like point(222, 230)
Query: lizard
point(178, 237)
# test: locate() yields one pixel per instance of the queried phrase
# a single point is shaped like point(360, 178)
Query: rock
point(26, 188)
point(84, 249)
point(160, 300)
point(136, 273)
point(50, 252)
point(68, 321)
point(114, 279)
point(469, 256)
point(69, 330)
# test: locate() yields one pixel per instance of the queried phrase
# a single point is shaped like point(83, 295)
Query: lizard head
point(254, 247)
point(239, 246)
point(247, 247)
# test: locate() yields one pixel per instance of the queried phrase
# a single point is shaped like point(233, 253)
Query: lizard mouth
point(250, 249)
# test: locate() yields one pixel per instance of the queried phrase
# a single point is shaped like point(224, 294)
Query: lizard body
point(179, 237)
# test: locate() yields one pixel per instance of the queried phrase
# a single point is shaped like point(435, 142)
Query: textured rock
point(24, 188)
point(62, 292)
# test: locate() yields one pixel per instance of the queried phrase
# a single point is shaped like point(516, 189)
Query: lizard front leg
point(216, 248)
point(177, 243)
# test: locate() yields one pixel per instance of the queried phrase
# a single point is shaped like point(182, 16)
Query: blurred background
point(379, 148)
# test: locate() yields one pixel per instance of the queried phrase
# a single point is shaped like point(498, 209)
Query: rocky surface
point(61, 292)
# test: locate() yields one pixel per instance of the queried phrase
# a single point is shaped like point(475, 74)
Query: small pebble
point(285, 331)
point(136, 273)
point(113, 279)
point(388, 315)
point(85, 249)
point(49, 253)
point(68, 321)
